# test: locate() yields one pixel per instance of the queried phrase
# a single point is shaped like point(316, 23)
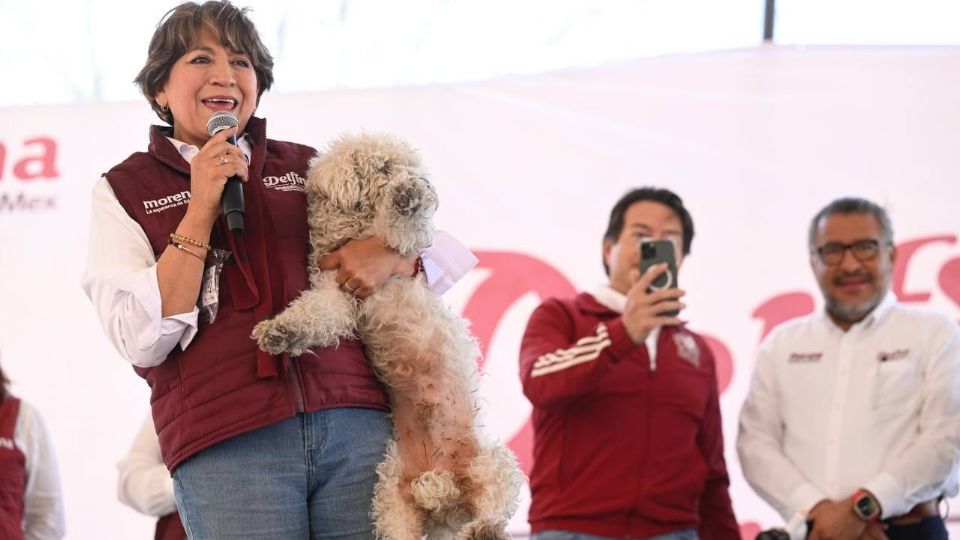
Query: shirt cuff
point(804, 498)
point(446, 261)
point(171, 505)
point(145, 289)
point(434, 274)
point(889, 494)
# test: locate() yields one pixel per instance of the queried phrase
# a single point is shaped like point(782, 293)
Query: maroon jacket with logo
point(13, 473)
point(222, 385)
point(622, 447)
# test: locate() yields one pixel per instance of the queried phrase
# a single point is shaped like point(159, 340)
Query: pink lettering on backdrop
point(749, 530)
point(949, 279)
point(512, 275)
point(39, 159)
point(782, 308)
point(905, 252)
point(722, 359)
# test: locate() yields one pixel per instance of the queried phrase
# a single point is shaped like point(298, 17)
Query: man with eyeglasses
point(853, 416)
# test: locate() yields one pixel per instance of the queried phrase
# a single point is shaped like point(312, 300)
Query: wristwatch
point(865, 506)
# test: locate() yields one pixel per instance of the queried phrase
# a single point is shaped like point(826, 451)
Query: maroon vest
point(169, 527)
point(13, 473)
point(223, 385)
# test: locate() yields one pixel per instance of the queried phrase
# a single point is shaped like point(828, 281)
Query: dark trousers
point(931, 528)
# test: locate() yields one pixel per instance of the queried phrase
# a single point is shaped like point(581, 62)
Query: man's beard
point(856, 312)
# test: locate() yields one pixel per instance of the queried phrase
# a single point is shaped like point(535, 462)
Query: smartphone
point(654, 252)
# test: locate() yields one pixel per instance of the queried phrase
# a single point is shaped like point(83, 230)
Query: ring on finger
point(223, 159)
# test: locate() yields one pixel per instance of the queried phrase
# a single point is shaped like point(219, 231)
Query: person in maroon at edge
point(259, 446)
point(626, 415)
point(31, 505)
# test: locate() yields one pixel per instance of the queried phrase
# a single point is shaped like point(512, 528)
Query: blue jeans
point(310, 476)
point(686, 534)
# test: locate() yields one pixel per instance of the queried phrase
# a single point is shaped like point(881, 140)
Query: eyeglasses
point(862, 250)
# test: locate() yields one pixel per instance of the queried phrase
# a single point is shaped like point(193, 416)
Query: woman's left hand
point(364, 264)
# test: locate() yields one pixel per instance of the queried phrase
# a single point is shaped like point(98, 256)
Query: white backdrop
point(756, 141)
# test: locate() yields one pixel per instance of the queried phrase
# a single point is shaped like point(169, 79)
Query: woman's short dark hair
point(659, 195)
point(178, 33)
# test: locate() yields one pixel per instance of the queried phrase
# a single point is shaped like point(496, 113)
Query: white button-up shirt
point(121, 277)
point(876, 407)
point(143, 482)
point(42, 498)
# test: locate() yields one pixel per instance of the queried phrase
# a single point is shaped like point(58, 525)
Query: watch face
point(866, 507)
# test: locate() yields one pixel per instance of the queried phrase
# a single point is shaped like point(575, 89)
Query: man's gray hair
point(852, 205)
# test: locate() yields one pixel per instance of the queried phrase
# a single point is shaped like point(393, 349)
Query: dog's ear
point(331, 178)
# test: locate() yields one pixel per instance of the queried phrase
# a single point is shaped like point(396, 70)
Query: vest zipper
point(296, 382)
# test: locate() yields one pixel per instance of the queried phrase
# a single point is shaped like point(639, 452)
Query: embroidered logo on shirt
point(287, 182)
point(885, 356)
point(165, 203)
point(803, 358)
point(6, 443)
point(687, 348)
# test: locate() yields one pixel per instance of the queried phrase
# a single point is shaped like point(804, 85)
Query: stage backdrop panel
point(756, 141)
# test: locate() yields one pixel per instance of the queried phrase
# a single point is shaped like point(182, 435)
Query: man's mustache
point(859, 275)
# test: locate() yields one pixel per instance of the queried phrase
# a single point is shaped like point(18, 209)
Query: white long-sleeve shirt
point(121, 278)
point(876, 407)
point(42, 498)
point(144, 483)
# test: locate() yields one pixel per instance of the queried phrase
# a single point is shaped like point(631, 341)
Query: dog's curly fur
point(439, 477)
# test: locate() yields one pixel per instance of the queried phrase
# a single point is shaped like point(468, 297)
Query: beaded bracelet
point(182, 247)
point(187, 240)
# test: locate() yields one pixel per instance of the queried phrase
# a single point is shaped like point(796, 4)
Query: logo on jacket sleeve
point(687, 348)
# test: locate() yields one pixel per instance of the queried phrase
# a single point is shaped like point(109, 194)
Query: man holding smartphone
point(626, 416)
point(853, 416)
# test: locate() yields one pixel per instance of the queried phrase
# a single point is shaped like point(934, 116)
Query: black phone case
point(652, 253)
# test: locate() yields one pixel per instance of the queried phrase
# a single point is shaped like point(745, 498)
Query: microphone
point(796, 529)
point(232, 199)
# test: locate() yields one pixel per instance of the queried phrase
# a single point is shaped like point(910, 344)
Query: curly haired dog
point(439, 476)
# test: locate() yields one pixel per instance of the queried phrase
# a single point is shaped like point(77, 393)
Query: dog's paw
point(483, 530)
point(273, 337)
point(435, 490)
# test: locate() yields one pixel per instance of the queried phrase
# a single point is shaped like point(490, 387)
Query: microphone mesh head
point(220, 121)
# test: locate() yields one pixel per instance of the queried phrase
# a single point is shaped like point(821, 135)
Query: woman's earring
point(164, 109)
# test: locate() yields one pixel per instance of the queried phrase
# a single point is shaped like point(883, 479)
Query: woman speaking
point(259, 446)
